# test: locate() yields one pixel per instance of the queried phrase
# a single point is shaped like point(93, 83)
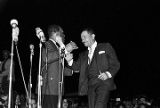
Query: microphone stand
point(10, 73)
point(30, 80)
point(60, 84)
point(20, 64)
point(39, 76)
point(15, 33)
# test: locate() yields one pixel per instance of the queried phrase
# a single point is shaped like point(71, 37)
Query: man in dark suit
point(52, 66)
point(98, 67)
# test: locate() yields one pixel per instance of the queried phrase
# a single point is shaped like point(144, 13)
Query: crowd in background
point(140, 101)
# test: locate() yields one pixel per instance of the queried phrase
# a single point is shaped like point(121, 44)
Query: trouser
point(5, 92)
point(50, 101)
point(98, 96)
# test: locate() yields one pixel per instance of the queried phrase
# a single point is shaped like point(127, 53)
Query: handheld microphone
point(40, 34)
point(62, 48)
point(61, 44)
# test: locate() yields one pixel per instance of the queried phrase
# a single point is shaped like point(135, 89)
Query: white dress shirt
point(91, 51)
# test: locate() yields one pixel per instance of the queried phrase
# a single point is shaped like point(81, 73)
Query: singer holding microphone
point(51, 55)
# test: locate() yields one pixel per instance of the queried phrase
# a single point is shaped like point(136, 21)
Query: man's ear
point(93, 36)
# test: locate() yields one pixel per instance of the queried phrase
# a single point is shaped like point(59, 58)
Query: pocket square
point(101, 52)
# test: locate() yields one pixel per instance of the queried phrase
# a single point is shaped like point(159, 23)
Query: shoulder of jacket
point(50, 45)
point(103, 44)
point(48, 42)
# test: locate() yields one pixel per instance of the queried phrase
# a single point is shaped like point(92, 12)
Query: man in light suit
point(97, 66)
point(52, 66)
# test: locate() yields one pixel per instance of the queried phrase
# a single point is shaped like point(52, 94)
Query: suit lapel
point(53, 45)
point(86, 58)
point(94, 54)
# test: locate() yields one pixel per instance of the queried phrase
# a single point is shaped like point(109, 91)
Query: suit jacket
point(51, 71)
point(106, 60)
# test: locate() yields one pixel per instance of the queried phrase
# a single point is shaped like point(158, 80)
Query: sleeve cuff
point(109, 74)
point(70, 62)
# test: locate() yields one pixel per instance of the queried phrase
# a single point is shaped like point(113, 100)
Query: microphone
point(62, 49)
point(32, 52)
point(14, 23)
point(40, 34)
point(62, 46)
point(32, 48)
point(15, 29)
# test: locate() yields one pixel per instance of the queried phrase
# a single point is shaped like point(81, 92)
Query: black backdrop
point(132, 26)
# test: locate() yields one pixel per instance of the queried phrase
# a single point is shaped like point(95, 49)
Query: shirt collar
point(53, 41)
point(93, 46)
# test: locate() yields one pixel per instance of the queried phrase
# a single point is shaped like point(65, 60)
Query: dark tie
point(57, 45)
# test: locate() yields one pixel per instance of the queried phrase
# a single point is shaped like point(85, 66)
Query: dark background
point(129, 25)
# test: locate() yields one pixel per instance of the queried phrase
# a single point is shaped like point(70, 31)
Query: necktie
point(89, 60)
point(89, 56)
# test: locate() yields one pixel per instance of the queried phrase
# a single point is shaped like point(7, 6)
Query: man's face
point(87, 39)
point(5, 54)
point(56, 36)
point(59, 38)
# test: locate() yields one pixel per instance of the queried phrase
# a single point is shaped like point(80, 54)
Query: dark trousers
point(5, 92)
point(98, 96)
point(50, 101)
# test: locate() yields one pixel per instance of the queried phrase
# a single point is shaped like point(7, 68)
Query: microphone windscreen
point(31, 46)
point(13, 21)
point(38, 30)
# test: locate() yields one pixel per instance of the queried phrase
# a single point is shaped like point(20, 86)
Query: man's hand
point(103, 76)
point(69, 57)
point(71, 46)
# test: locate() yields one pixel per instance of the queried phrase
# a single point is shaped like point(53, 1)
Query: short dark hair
point(89, 30)
point(55, 28)
point(7, 52)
